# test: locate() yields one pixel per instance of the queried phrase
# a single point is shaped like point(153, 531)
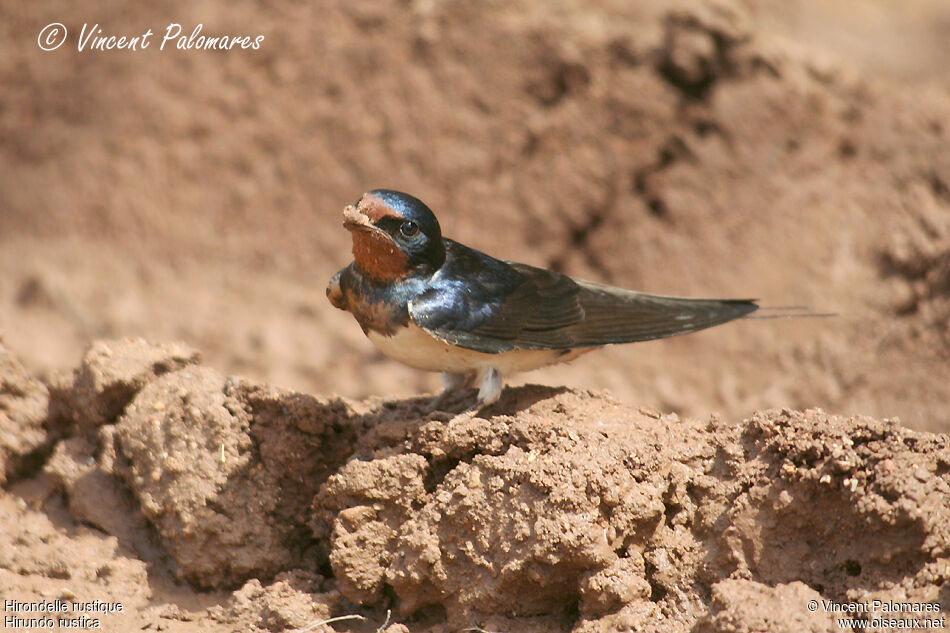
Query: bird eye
point(409, 229)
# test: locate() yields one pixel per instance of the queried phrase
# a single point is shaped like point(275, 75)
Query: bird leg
point(489, 382)
point(489, 387)
point(455, 382)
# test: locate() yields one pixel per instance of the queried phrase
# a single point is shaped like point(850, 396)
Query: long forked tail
point(613, 316)
point(788, 312)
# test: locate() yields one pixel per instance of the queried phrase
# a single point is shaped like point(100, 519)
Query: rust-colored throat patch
point(376, 254)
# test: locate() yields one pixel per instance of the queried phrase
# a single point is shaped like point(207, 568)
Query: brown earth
point(207, 503)
point(790, 151)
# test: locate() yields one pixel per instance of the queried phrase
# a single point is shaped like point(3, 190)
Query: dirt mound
point(23, 405)
point(556, 510)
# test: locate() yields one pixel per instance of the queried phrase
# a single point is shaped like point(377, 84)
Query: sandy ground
point(789, 151)
point(161, 494)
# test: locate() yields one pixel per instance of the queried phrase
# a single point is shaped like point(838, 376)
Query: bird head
point(394, 234)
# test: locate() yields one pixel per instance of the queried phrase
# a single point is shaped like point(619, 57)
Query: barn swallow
point(438, 305)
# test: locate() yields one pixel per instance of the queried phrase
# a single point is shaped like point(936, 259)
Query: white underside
point(413, 346)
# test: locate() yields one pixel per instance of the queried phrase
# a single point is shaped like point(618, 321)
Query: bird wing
point(523, 307)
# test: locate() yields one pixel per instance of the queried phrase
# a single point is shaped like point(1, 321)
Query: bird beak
point(356, 220)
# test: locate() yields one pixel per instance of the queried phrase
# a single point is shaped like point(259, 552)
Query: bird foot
point(458, 387)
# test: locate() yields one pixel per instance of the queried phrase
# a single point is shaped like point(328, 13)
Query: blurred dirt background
point(795, 152)
point(791, 151)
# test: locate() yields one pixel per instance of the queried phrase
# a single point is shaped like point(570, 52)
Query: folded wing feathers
point(624, 316)
point(552, 311)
